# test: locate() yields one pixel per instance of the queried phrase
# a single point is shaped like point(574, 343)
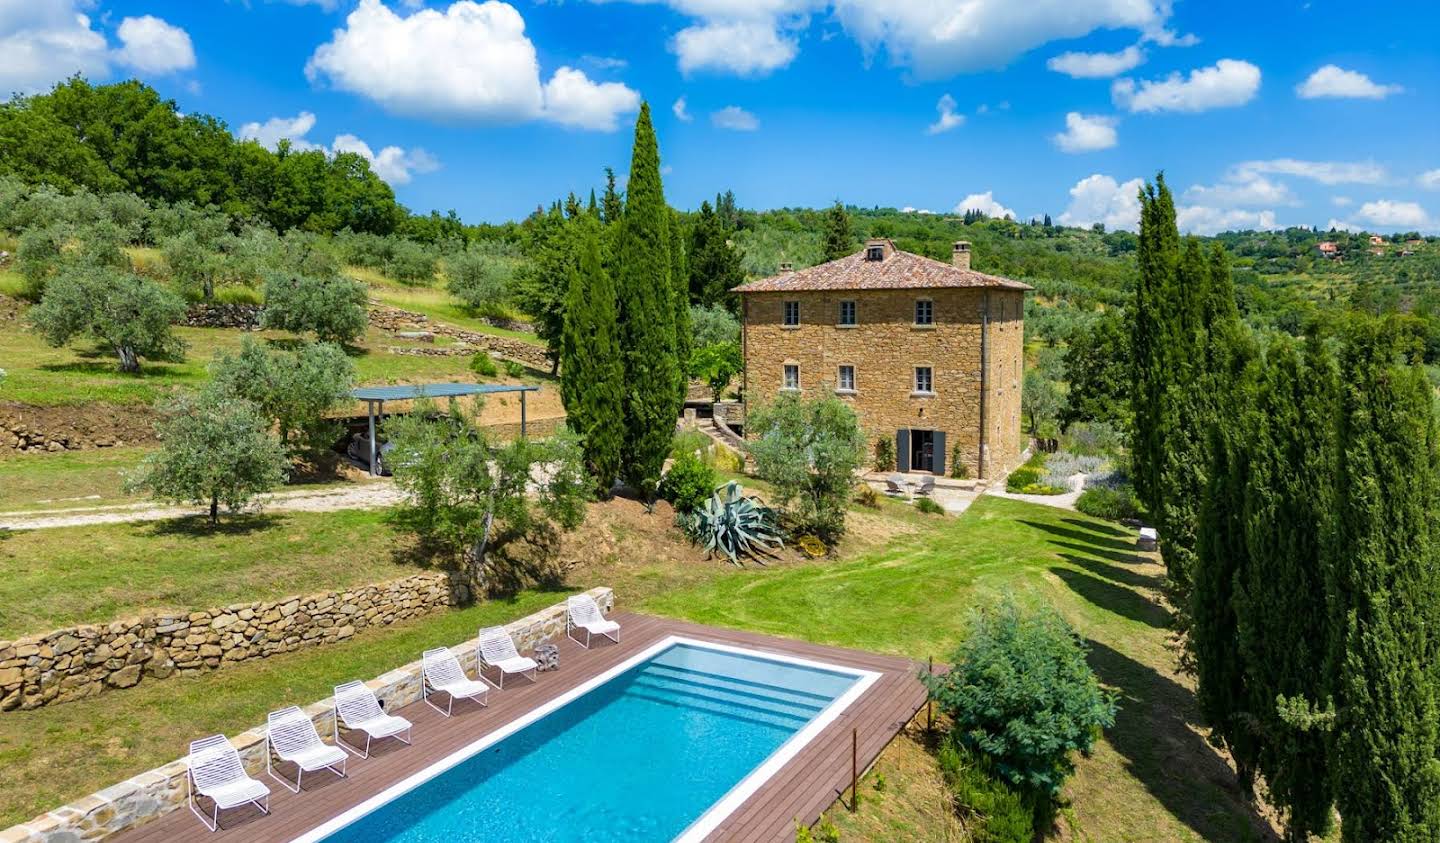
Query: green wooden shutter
point(902, 449)
point(938, 463)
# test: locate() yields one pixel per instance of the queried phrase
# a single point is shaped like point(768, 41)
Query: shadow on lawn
point(1174, 762)
point(1095, 543)
point(1097, 527)
point(1114, 598)
point(199, 526)
point(1115, 573)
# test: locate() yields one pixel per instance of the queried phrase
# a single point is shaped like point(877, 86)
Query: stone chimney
point(877, 249)
point(960, 258)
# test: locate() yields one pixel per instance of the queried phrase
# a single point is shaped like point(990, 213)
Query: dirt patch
point(31, 429)
point(9, 309)
point(903, 796)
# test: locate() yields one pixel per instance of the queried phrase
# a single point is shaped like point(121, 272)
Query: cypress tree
point(714, 265)
point(612, 208)
point(680, 301)
point(1280, 600)
point(647, 321)
point(592, 376)
point(1157, 256)
point(837, 232)
point(1385, 604)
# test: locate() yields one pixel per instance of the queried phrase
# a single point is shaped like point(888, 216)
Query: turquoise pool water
point(638, 758)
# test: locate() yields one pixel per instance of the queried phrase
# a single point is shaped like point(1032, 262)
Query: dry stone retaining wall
point(29, 429)
point(395, 320)
point(82, 661)
point(157, 792)
point(246, 317)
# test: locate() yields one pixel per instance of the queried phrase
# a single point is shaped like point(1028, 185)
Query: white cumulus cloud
point(472, 61)
point(1337, 82)
point(394, 164)
point(1100, 198)
point(1247, 190)
point(1389, 212)
point(1228, 83)
point(1203, 219)
point(1097, 65)
point(948, 119)
point(42, 43)
point(1430, 179)
point(571, 99)
point(272, 131)
point(1324, 172)
point(940, 38)
point(735, 118)
point(682, 113)
point(985, 203)
point(1342, 225)
point(391, 163)
point(741, 47)
point(150, 45)
point(1086, 133)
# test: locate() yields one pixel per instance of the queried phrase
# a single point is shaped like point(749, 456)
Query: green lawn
point(67, 479)
point(1153, 777)
point(62, 576)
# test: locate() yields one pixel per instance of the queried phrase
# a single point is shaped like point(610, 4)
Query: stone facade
point(885, 346)
point(70, 664)
point(396, 321)
point(157, 792)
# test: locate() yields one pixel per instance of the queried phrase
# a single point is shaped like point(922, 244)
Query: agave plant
point(734, 524)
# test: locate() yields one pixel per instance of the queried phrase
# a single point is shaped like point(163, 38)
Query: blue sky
point(1262, 114)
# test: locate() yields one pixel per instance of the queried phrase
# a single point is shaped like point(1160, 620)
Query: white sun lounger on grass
point(443, 675)
point(357, 708)
point(213, 770)
point(497, 650)
point(291, 736)
point(581, 612)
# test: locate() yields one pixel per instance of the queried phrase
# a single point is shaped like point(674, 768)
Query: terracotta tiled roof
point(898, 271)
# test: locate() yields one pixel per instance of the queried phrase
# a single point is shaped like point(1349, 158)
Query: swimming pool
point(663, 746)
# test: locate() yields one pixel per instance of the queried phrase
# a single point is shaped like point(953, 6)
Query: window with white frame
point(792, 376)
point(924, 379)
point(792, 313)
point(847, 313)
point(924, 312)
point(846, 380)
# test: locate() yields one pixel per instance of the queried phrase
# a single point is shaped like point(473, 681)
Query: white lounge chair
point(497, 650)
point(291, 736)
point(443, 675)
point(925, 486)
point(895, 485)
point(215, 772)
point(357, 708)
point(581, 612)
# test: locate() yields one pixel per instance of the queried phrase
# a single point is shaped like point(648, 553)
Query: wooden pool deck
point(802, 789)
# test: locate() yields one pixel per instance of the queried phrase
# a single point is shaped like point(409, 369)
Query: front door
point(922, 450)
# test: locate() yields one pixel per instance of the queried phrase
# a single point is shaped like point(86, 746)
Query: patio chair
point(213, 770)
point(581, 612)
point(357, 708)
point(926, 485)
point(443, 675)
point(497, 650)
point(894, 485)
point(291, 736)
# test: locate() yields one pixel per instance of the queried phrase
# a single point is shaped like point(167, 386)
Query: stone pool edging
point(157, 792)
point(82, 661)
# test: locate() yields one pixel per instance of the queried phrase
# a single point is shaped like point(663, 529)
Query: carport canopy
point(376, 396)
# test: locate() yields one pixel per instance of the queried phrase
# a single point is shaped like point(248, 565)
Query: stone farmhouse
point(930, 355)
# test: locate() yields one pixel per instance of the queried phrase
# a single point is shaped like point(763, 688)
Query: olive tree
point(292, 389)
point(130, 315)
point(809, 451)
point(215, 449)
point(331, 307)
point(469, 499)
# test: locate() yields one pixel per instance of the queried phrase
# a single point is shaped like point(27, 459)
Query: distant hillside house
point(1377, 240)
point(929, 354)
point(1328, 248)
